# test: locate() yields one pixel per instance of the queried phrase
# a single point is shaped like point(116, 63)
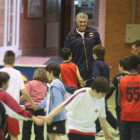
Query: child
point(124, 70)
point(54, 97)
point(100, 68)
point(37, 90)
point(10, 105)
point(16, 85)
point(84, 107)
point(69, 71)
point(129, 97)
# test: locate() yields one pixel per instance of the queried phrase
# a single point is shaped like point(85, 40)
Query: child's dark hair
point(9, 57)
point(40, 75)
point(66, 52)
point(4, 77)
point(55, 68)
point(124, 63)
point(99, 51)
point(134, 62)
point(136, 43)
point(101, 84)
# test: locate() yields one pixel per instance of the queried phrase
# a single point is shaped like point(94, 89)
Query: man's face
point(135, 50)
point(82, 23)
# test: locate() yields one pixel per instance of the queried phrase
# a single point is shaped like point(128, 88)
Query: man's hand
point(109, 137)
point(38, 121)
point(45, 119)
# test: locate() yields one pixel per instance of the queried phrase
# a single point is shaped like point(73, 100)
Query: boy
point(55, 96)
point(100, 68)
point(10, 106)
point(16, 85)
point(84, 107)
point(124, 70)
point(69, 71)
point(129, 98)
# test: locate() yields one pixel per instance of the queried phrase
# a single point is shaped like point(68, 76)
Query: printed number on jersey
point(133, 93)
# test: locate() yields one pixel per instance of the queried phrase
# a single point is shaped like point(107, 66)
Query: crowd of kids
point(85, 112)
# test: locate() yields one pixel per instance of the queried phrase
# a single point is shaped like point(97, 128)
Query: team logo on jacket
point(96, 110)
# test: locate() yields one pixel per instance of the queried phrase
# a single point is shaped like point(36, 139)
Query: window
point(86, 6)
point(9, 23)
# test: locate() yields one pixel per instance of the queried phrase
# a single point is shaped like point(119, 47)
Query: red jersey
point(130, 102)
point(68, 74)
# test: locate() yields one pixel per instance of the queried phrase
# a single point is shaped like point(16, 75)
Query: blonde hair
point(40, 75)
point(9, 57)
point(81, 15)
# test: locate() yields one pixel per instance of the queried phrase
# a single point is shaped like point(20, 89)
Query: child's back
point(37, 91)
point(15, 82)
point(69, 71)
point(68, 74)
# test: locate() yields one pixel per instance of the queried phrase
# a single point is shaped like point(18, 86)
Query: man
point(136, 48)
point(81, 41)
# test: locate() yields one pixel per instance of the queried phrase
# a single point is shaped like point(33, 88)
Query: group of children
point(81, 110)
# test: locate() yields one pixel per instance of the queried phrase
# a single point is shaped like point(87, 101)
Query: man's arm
point(67, 42)
point(108, 136)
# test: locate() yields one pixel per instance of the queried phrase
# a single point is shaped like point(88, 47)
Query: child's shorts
point(57, 127)
point(13, 126)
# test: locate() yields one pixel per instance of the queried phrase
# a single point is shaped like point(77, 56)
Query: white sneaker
point(100, 133)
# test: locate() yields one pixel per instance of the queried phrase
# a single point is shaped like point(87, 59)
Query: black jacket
point(100, 68)
point(82, 48)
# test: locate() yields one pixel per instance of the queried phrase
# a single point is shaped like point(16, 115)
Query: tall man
point(81, 41)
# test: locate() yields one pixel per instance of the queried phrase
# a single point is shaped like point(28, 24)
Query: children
point(84, 107)
point(11, 106)
point(129, 98)
point(100, 68)
point(69, 71)
point(15, 86)
point(55, 96)
point(124, 70)
point(37, 90)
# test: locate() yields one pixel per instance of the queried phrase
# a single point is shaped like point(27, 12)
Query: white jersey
point(15, 83)
point(83, 110)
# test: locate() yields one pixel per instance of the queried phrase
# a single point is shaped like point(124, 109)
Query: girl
point(37, 90)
